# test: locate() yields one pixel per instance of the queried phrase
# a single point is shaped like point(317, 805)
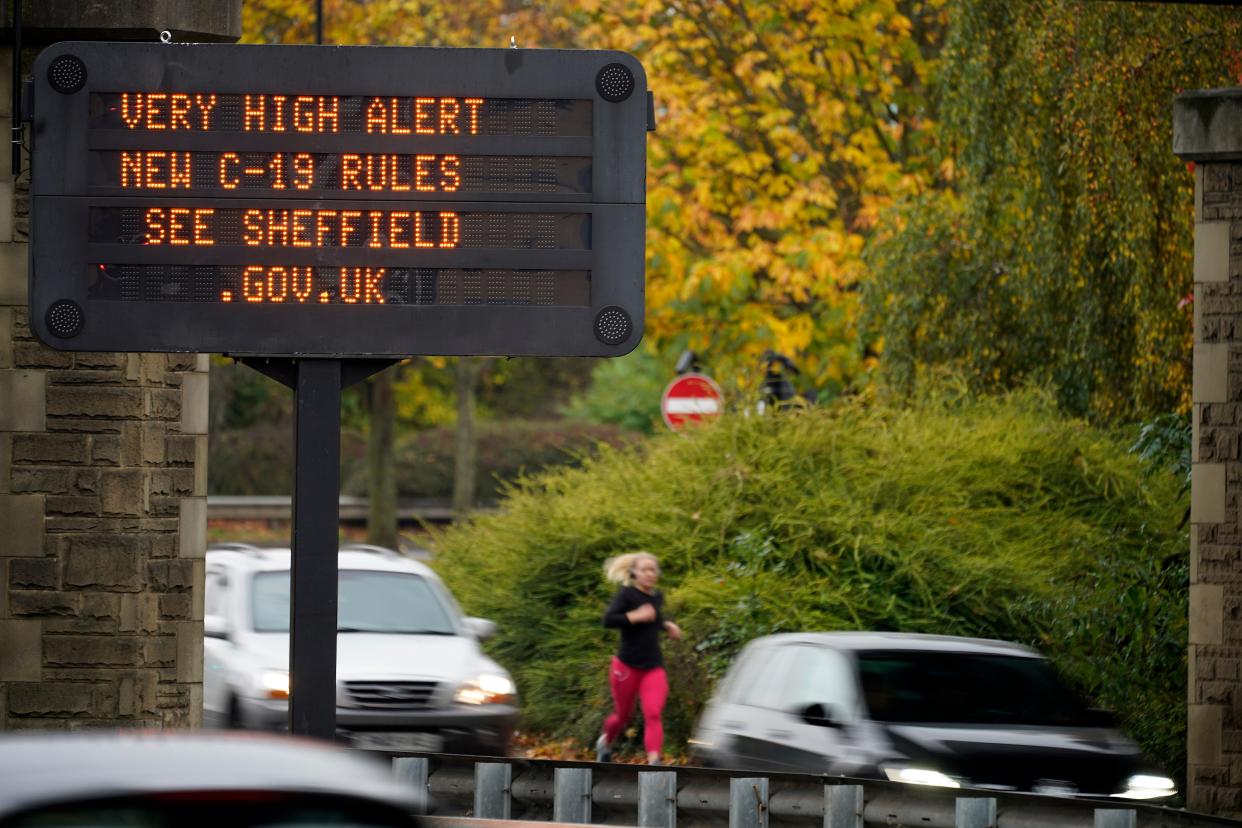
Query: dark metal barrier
point(687, 797)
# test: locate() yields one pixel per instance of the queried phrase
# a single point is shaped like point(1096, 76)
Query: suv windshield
point(367, 601)
point(966, 688)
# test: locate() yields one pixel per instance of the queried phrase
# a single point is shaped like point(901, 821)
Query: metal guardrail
point(466, 791)
point(279, 508)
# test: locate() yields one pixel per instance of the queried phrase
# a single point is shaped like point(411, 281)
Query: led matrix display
point(338, 200)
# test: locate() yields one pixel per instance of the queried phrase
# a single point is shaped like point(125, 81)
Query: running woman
point(637, 670)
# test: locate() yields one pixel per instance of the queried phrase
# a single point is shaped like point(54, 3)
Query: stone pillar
point(103, 468)
point(1208, 132)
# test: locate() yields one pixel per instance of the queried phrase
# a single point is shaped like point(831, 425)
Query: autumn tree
point(785, 127)
point(1059, 246)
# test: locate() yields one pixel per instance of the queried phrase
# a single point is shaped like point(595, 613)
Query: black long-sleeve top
point(640, 643)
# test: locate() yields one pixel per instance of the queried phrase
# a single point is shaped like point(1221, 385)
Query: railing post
point(1116, 818)
point(843, 806)
point(657, 799)
point(492, 784)
point(571, 795)
point(748, 803)
point(414, 771)
point(975, 812)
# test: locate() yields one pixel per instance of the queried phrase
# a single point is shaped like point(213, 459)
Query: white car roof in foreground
point(50, 768)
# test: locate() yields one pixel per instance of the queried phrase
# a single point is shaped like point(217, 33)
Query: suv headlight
point(488, 688)
point(1147, 786)
point(921, 776)
point(274, 684)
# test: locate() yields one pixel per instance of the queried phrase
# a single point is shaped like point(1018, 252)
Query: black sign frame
point(62, 257)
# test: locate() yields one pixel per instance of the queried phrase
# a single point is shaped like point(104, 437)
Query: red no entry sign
point(691, 398)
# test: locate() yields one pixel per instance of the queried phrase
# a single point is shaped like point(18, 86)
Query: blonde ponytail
point(620, 569)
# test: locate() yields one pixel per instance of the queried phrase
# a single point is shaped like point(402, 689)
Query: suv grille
point(391, 695)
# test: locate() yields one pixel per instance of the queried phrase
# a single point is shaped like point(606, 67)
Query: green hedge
point(995, 518)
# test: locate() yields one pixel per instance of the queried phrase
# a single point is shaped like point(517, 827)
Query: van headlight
point(488, 688)
point(921, 776)
point(1147, 786)
point(274, 684)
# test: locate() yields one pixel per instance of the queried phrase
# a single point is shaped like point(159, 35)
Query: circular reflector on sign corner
point(67, 74)
point(613, 325)
point(65, 318)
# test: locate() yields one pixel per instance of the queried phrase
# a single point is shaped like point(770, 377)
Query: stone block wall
point(1214, 757)
point(102, 517)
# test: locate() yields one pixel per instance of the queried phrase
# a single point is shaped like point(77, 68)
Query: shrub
point(995, 517)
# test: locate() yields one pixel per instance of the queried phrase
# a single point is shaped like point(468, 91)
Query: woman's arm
point(615, 615)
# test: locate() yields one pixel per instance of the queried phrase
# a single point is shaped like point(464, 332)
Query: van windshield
point(966, 688)
point(367, 602)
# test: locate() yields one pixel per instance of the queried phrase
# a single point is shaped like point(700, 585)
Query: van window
point(819, 676)
point(768, 678)
point(213, 594)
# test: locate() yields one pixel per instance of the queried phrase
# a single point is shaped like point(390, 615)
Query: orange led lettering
point(400, 183)
point(375, 218)
point(321, 225)
point(348, 296)
point(351, 166)
point(377, 180)
point(277, 284)
point(151, 168)
point(179, 107)
point(304, 113)
point(200, 226)
point(155, 226)
point(131, 113)
point(155, 101)
point(301, 229)
point(419, 241)
point(179, 169)
point(178, 228)
point(347, 225)
point(329, 110)
point(277, 227)
point(303, 278)
point(206, 103)
point(377, 116)
point(253, 283)
point(394, 229)
point(450, 229)
point(450, 177)
point(227, 180)
point(254, 112)
point(278, 106)
point(422, 171)
point(252, 228)
point(371, 286)
point(131, 169)
point(474, 104)
point(277, 165)
point(424, 121)
point(399, 128)
point(449, 110)
point(304, 170)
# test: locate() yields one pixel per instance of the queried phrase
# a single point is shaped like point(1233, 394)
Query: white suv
point(410, 674)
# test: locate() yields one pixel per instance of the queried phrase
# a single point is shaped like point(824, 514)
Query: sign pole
point(317, 385)
point(313, 562)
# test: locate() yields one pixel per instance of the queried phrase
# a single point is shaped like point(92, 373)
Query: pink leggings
point(651, 686)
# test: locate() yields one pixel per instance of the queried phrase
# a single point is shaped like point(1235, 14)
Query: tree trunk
point(465, 465)
point(381, 463)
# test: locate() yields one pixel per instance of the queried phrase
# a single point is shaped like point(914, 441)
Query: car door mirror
point(216, 627)
point(820, 715)
point(480, 628)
